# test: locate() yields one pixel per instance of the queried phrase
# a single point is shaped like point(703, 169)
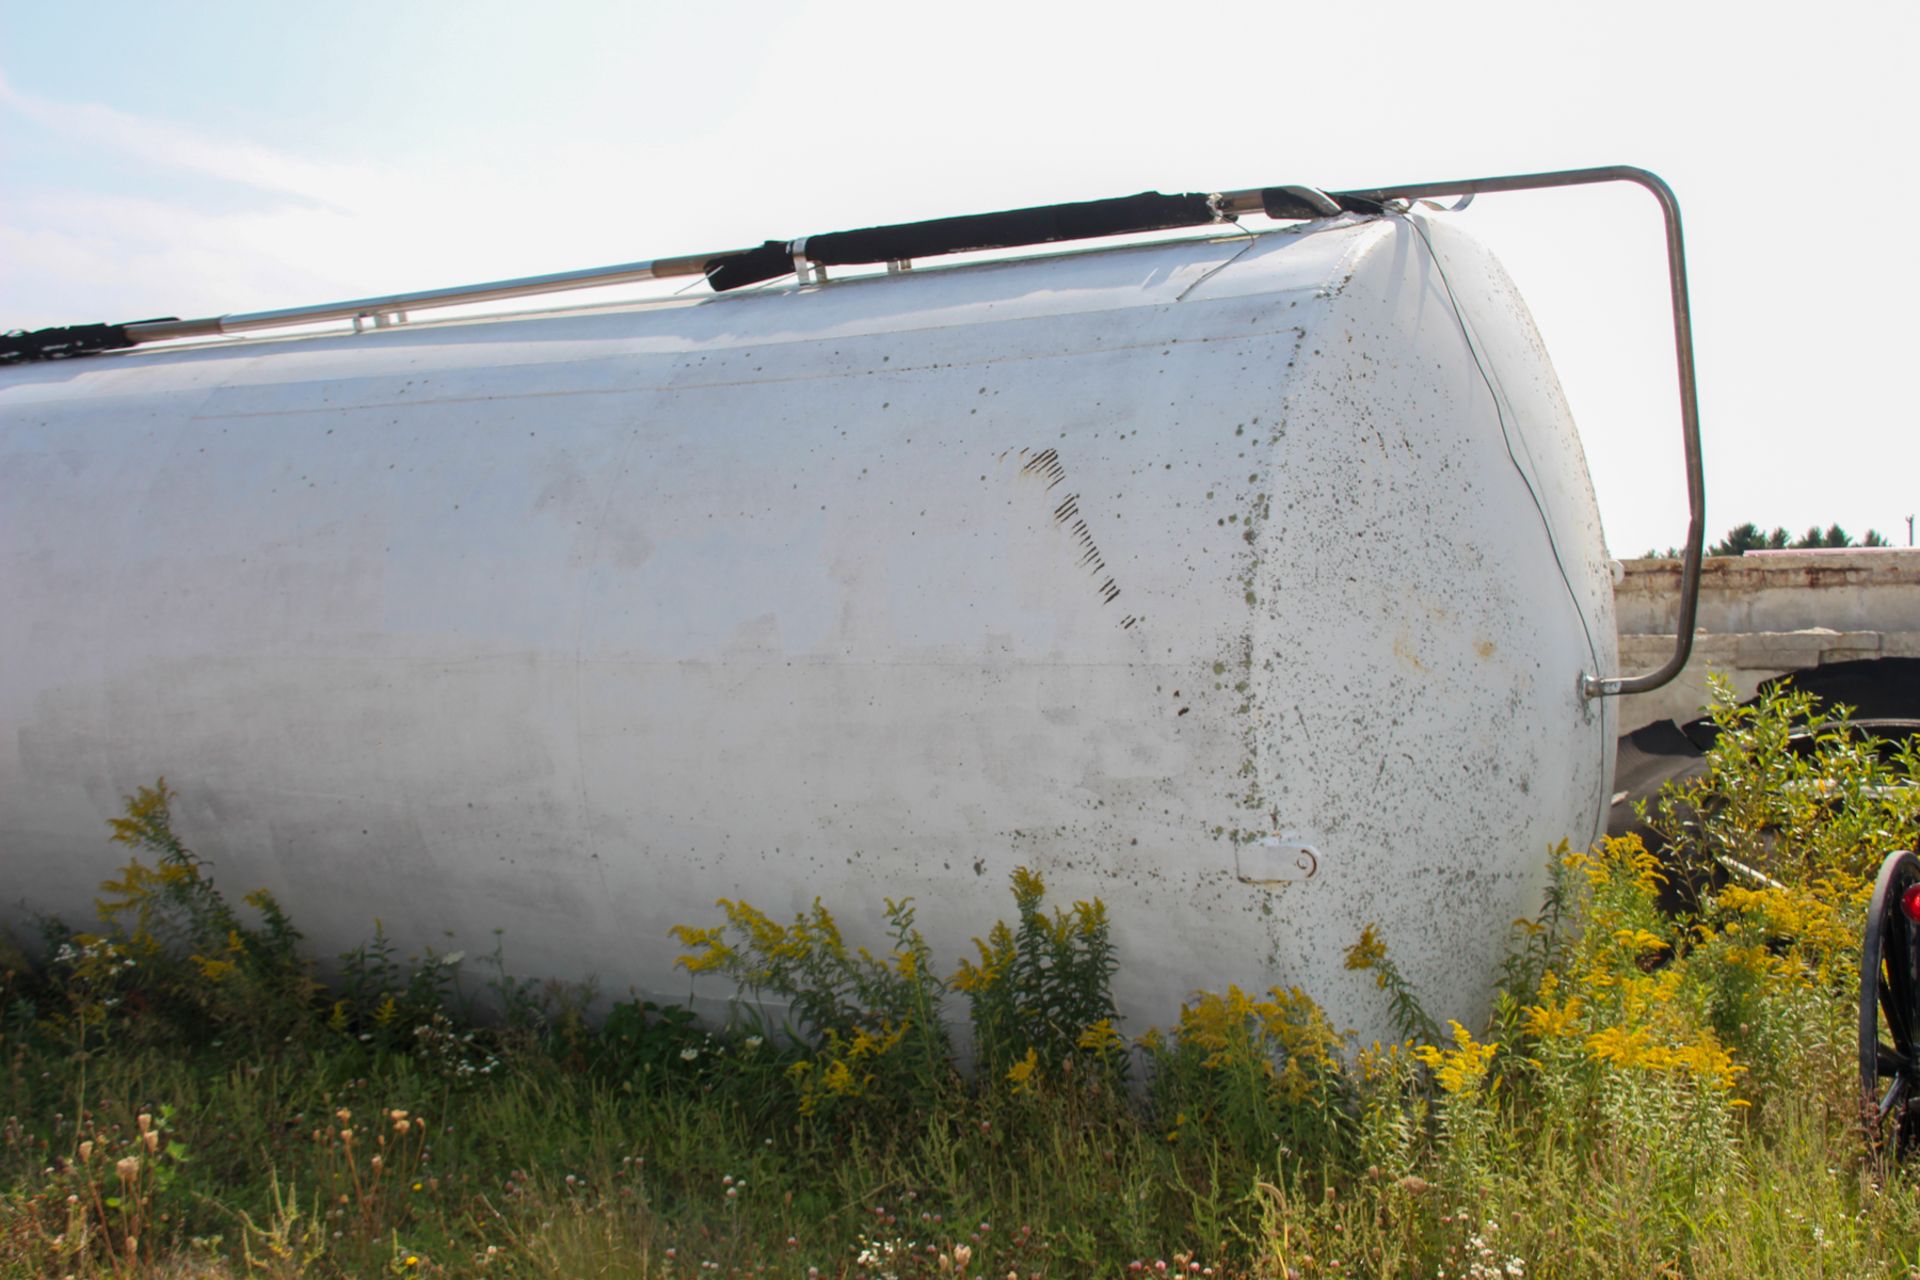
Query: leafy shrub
point(1041, 993)
point(1793, 791)
point(642, 1039)
point(1786, 830)
point(873, 1024)
point(1625, 1038)
point(173, 951)
point(387, 1005)
point(1262, 1073)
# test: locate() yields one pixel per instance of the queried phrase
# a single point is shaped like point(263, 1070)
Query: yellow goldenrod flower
point(839, 1080)
point(212, 970)
point(1367, 952)
point(1462, 1069)
point(1022, 1072)
point(1638, 941)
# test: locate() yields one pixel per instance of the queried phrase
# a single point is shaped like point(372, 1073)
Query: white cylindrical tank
point(1244, 582)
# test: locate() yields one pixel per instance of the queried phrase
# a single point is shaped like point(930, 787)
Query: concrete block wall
point(1764, 614)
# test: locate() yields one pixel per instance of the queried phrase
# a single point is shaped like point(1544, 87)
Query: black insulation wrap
point(19, 347)
point(1045, 224)
point(1010, 229)
point(738, 270)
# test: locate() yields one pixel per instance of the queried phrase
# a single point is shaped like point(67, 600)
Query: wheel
point(1890, 1003)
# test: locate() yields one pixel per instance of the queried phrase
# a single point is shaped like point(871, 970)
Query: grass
point(1654, 1095)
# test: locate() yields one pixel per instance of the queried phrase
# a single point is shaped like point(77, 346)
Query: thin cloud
point(168, 145)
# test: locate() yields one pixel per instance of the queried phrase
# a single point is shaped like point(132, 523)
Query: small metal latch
point(1276, 859)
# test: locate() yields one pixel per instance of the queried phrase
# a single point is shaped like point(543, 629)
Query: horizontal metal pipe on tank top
point(900, 243)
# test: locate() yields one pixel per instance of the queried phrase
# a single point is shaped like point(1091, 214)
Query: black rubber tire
point(1890, 1001)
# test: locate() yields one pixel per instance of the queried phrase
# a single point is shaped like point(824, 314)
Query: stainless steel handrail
point(399, 303)
point(1227, 206)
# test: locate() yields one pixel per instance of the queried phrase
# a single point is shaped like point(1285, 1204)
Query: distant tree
point(1740, 539)
point(1743, 538)
point(1834, 536)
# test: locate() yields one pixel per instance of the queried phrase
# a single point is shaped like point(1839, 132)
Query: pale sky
point(194, 159)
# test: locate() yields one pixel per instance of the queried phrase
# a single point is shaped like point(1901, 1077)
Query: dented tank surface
point(1244, 582)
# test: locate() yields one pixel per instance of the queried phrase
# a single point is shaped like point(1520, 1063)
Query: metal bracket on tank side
point(1593, 685)
point(1281, 858)
point(805, 270)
